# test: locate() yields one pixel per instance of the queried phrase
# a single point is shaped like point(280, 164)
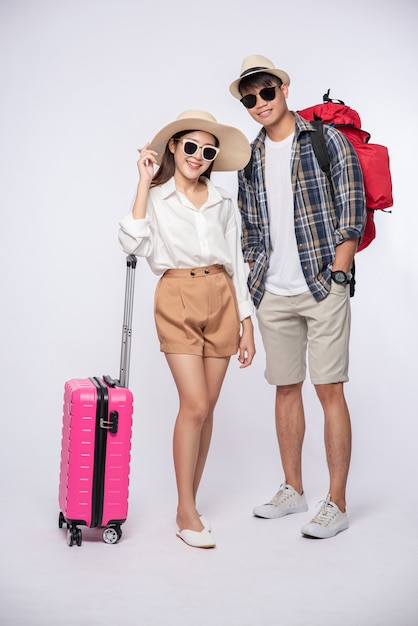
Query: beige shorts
point(292, 326)
point(196, 312)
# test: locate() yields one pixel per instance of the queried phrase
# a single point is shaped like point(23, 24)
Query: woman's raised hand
point(147, 160)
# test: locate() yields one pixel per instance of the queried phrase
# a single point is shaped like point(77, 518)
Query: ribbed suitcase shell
point(77, 470)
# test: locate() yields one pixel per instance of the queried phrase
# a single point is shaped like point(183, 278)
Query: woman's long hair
point(167, 166)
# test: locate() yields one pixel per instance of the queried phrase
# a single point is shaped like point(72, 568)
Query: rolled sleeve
point(135, 235)
point(237, 269)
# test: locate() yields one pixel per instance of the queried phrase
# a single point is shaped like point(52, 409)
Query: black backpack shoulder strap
point(248, 169)
point(320, 148)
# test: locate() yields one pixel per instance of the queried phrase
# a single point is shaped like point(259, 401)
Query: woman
point(186, 228)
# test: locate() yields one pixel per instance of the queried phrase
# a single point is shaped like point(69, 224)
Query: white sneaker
point(286, 501)
point(327, 522)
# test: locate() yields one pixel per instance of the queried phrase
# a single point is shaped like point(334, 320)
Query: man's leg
point(290, 428)
point(337, 434)
point(331, 517)
point(283, 331)
point(328, 349)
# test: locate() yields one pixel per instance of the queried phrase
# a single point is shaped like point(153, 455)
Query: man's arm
point(349, 196)
point(250, 231)
point(344, 255)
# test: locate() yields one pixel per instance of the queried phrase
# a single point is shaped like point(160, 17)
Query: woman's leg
point(215, 370)
point(197, 398)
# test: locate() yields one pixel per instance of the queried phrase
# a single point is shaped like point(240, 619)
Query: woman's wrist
point(247, 323)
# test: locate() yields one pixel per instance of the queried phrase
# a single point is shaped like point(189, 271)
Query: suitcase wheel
point(61, 520)
point(112, 534)
point(74, 536)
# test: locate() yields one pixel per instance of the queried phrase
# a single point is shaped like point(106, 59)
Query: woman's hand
point(246, 344)
point(147, 160)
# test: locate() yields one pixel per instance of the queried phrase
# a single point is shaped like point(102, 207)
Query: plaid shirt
point(320, 224)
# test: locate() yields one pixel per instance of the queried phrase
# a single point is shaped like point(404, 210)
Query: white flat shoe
point(206, 523)
point(202, 539)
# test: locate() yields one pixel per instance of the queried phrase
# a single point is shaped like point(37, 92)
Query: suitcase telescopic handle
point(125, 354)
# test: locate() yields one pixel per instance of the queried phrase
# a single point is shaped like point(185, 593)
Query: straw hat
point(234, 147)
point(254, 64)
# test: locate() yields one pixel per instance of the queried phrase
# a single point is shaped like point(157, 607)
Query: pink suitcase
point(96, 444)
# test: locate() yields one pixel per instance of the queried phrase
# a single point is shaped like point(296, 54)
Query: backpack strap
point(248, 169)
point(353, 279)
point(320, 148)
point(326, 98)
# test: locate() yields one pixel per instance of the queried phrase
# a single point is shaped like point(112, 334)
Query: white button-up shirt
point(174, 234)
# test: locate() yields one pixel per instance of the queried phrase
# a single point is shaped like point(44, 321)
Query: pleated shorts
point(196, 312)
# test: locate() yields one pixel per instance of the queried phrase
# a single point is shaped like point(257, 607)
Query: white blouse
point(174, 234)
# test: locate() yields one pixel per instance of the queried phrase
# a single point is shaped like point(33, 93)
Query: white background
point(83, 85)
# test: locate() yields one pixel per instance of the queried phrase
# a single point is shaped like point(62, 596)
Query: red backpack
point(374, 158)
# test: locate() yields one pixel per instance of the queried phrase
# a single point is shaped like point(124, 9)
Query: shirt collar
point(301, 125)
point(168, 188)
point(214, 193)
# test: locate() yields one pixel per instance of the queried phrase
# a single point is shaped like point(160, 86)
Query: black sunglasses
point(268, 94)
point(190, 147)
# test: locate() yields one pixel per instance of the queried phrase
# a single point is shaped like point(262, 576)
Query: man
point(300, 247)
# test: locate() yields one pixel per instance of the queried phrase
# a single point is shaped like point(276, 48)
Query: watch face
point(339, 277)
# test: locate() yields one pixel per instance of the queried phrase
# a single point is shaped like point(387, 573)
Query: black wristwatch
point(339, 277)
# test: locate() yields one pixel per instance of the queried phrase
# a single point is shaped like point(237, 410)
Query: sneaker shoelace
point(326, 514)
point(282, 495)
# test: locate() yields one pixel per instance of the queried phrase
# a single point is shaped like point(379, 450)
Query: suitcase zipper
point(100, 445)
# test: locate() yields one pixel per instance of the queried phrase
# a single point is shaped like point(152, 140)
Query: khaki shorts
point(290, 326)
point(196, 312)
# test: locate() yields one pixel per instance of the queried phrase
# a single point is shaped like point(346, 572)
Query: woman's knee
point(196, 411)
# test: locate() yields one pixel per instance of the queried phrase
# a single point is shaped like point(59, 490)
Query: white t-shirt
point(284, 275)
point(174, 234)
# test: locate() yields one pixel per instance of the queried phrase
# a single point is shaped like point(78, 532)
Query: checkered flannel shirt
point(324, 216)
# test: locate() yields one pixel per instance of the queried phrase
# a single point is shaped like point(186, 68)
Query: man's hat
point(254, 64)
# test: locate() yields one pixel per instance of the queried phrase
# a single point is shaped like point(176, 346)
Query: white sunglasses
point(190, 147)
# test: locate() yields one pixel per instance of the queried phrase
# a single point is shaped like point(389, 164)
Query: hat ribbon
point(253, 69)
